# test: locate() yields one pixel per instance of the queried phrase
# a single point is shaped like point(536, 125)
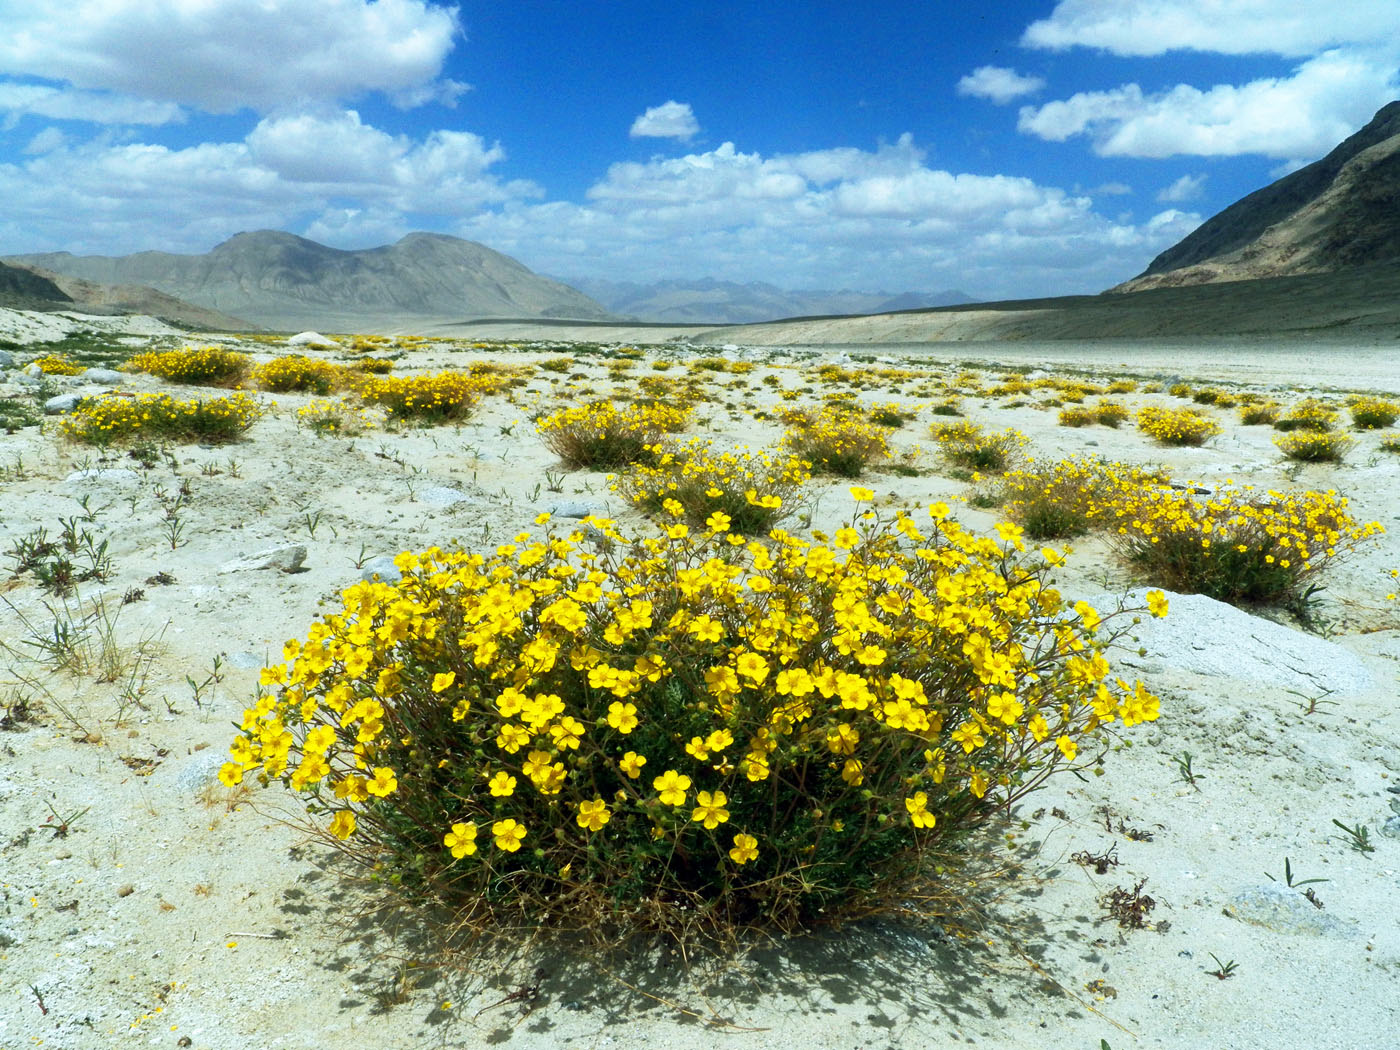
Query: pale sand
point(156, 965)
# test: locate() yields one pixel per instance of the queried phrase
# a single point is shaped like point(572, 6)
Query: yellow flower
point(443, 680)
point(861, 495)
point(1067, 747)
point(383, 783)
point(853, 772)
point(718, 522)
point(745, 849)
point(917, 805)
point(622, 717)
point(1157, 603)
point(632, 764)
point(752, 666)
point(593, 815)
point(508, 834)
point(461, 840)
point(343, 824)
point(709, 809)
point(672, 787)
point(502, 785)
point(230, 774)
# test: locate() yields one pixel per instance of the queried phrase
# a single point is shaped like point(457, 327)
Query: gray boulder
point(283, 559)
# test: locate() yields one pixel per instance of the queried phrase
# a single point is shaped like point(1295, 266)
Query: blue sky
point(1032, 148)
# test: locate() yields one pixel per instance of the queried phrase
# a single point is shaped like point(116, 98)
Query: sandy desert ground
point(142, 903)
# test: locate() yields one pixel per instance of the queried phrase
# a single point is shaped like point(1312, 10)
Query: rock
point(1391, 827)
point(1203, 636)
point(23, 379)
point(246, 661)
point(126, 889)
point(7, 359)
point(102, 375)
point(442, 496)
point(313, 339)
point(383, 567)
point(1285, 911)
point(576, 509)
point(284, 559)
point(33, 370)
point(116, 475)
point(62, 404)
point(202, 768)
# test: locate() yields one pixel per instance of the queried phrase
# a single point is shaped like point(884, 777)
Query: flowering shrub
point(1176, 426)
point(1259, 413)
point(1073, 496)
point(296, 372)
point(337, 418)
point(1110, 413)
point(835, 440)
point(207, 366)
point(440, 398)
point(1237, 545)
point(1314, 446)
point(1372, 413)
point(602, 435)
point(114, 417)
point(967, 445)
point(1076, 417)
point(58, 365)
point(1308, 414)
point(750, 492)
point(678, 735)
point(373, 365)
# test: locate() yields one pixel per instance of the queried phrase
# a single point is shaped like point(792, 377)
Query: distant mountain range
point(709, 301)
point(1340, 212)
point(282, 281)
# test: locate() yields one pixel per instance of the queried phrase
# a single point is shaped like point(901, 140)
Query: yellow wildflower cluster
point(1176, 426)
point(205, 366)
point(739, 491)
point(604, 435)
point(834, 441)
point(1372, 413)
point(435, 398)
point(1072, 496)
point(114, 417)
point(1236, 545)
point(1309, 414)
point(1259, 413)
point(965, 444)
point(296, 372)
point(1314, 446)
point(58, 365)
point(772, 731)
point(337, 417)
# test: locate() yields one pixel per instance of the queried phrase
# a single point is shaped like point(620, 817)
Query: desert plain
point(145, 903)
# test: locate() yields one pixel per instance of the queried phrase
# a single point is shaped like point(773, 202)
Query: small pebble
point(125, 890)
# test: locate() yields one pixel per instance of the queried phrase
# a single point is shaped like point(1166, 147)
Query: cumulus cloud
point(1326, 99)
point(999, 84)
point(670, 120)
point(1153, 27)
point(1186, 188)
point(225, 55)
point(43, 100)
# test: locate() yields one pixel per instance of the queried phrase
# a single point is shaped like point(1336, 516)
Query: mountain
point(89, 297)
point(709, 301)
point(283, 281)
point(1339, 212)
point(22, 289)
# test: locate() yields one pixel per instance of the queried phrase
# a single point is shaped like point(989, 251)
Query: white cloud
point(46, 141)
point(999, 84)
point(42, 100)
point(226, 55)
point(670, 120)
point(1326, 99)
point(1233, 27)
point(1111, 189)
point(1186, 188)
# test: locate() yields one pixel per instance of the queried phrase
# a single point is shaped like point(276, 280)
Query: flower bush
point(1259, 413)
point(1308, 414)
point(295, 372)
point(115, 417)
point(1236, 545)
point(1372, 413)
point(1072, 496)
point(835, 440)
point(604, 436)
point(1176, 426)
point(1314, 446)
point(749, 491)
point(443, 397)
point(58, 365)
point(675, 734)
point(965, 444)
point(337, 418)
point(206, 366)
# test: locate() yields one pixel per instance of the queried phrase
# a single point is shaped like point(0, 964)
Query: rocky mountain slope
point(22, 289)
point(1337, 213)
point(283, 281)
point(709, 301)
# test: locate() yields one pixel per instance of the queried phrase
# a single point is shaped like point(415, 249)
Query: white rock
point(284, 559)
point(442, 496)
point(313, 339)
